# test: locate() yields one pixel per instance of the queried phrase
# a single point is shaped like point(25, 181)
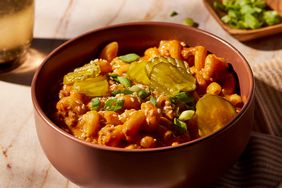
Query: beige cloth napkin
point(260, 166)
point(268, 77)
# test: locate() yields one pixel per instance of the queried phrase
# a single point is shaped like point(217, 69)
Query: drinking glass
point(16, 30)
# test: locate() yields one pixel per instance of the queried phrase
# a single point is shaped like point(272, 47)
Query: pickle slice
point(175, 62)
point(156, 60)
point(92, 87)
point(137, 72)
point(212, 113)
point(81, 73)
point(169, 79)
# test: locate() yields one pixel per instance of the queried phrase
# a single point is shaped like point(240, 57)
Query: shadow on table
point(273, 42)
point(22, 73)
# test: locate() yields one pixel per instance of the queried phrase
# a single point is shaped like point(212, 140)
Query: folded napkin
point(268, 77)
point(260, 165)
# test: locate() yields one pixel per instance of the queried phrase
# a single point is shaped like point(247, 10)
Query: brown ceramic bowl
point(190, 164)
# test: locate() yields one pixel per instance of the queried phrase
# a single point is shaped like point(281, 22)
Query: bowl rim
point(50, 123)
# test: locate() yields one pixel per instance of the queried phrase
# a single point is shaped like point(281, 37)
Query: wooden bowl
point(246, 35)
point(190, 164)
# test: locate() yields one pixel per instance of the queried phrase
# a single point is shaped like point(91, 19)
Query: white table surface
point(22, 162)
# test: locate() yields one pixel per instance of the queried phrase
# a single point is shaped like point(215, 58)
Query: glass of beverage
point(16, 30)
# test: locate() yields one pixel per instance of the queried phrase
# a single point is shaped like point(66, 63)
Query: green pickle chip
point(88, 70)
point(169, 79)
point(212, 113)
point(92, 87)
point(137, 73)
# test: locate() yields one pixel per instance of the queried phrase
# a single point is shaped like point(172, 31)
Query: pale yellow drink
point(16, 28)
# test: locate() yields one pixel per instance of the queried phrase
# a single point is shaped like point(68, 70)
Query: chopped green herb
point(113, 104)
point(128, 58)
point(95, 103)
point(247, 14)
point(124, 81)
point(271, 17)
point(179, 126)
point(173, 13)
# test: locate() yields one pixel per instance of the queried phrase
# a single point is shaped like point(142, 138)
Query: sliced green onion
point(113, 76)
point(173, 13)
point(186, 115)
point(95, 103)
point(182, 97)
point(128, 58)
point(218, 5)
point(135, 88)
point(179, 126)
point(143, 94)
point(247, 14)
point(124, 81)
point(153, 100)
point(271, 17)
point(126, 91)
point(252, 21)
point(190, 22)
point(113, 104)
